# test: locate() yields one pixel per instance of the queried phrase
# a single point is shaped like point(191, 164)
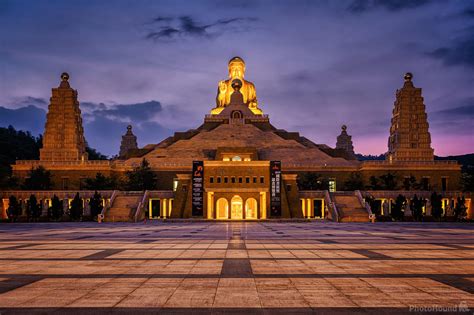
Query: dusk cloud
point(391, 5)
point(29, 118)
point(186, 26)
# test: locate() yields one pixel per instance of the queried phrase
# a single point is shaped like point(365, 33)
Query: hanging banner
point(198, 189)
point(275, 191)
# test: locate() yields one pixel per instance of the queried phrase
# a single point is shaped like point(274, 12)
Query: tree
point(38, 179)
point(16, 145)
point(312, 181)
point(467, 180)
point(77, 208)
point(33, 209)
point(14, 208)
point(56, 210)
point(460, 208)
point(416, 206)
point(389, 181)
point(141, 178)
point(101, 182)
point(410, 183)
point(93, 154)
point(354, 182)
point(397, 209)
point(374, 183)
point(436, 205)
point(95, 204)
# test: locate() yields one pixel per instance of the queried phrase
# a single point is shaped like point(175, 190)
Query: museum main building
point(237, 165)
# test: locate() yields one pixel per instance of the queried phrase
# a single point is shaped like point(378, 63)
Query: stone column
point(65, 206)
point(44, 207)
point(87, 207)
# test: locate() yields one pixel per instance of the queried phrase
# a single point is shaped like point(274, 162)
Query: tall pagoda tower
point(63, 138)
point(344, 141)
point(129, 142)
point(409, 138)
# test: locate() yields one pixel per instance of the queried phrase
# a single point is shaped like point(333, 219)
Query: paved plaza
point(233, 267)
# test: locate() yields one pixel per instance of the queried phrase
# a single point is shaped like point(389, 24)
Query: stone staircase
point(123, 207)
point(349, 207)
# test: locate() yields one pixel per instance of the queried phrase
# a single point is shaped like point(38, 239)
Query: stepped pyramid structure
point(129, 142)
point(409, 138)
point(63, 138)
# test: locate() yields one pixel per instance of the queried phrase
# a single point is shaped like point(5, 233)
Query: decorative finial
point(129, 127)
point(64, 76)
point(344, 127)
point(408, 76)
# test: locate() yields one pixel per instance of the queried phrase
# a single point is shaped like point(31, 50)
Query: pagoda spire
point(129, 142)
point(63, 138)
point(409, 138)
point(344, 141)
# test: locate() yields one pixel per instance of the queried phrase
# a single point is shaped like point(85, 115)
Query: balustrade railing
point(140, 206)
point(331, 206)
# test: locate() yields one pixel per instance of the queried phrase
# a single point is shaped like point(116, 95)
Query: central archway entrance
point(222, 208)
point(236, 208)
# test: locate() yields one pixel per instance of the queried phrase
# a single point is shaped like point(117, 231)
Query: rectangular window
point(425, 183)
point(82, 183)
point(262, 179)
point(332, 184)
point(218, 179)
point(233, 180)
point(255, 179)
point(211, 180)
point(247, 180)
point(65, 182)
point(226, 180)
point(444, 183)
point(240, 180)
point(175, 184)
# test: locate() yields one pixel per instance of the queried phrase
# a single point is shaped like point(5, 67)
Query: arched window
point(236, 114)
point(222, 208)
point(236, 158)
point(251, 208)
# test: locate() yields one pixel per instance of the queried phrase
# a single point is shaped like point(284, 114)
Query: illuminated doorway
point(222, 209)
point(318, 208)
point(236, 208)
point(251, 208)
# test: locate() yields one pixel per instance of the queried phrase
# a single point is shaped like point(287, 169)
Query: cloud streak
point(358, 6)
point(185, 26)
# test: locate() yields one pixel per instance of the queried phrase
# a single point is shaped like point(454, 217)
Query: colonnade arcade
point(235, 206)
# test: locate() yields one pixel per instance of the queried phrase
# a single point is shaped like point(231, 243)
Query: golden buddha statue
point(225, 89)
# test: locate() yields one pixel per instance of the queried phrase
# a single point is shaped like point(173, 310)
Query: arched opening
point(251, 208)
point(236, 158)
point(236, 207)
point(222, 209)
point(237, 114)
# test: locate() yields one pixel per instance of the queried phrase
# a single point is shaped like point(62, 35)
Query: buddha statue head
point(236, 68)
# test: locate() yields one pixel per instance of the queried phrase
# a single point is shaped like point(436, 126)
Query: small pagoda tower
point(344, 141)
point(409, 138)
point(129, 142)
point(63, 138)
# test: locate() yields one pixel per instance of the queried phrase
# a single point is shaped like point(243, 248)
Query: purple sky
point(316, 65)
